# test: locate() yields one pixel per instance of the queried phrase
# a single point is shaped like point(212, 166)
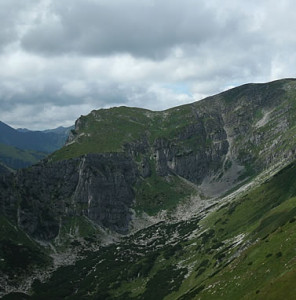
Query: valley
point(195, 202)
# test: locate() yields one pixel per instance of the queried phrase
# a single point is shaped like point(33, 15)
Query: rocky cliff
point(124, 158)
point(96, 186)
point(122, 164)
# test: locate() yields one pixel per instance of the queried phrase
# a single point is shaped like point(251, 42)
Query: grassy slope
point(17, 158)
point(105, 131)
point(108, 130)
point(244, 250)
point(161, 193)
point(156, 193)
point(265, 217)
point(74, 230)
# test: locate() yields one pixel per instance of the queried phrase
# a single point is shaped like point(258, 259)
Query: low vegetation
point(243, 250)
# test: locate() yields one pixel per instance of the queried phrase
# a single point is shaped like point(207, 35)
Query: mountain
point(64, 131)
point(23, 130)
point(242, 248)
point(17, 158)
point(217, 142)
point(21, 148)
point(197, 201)
point(43, 141)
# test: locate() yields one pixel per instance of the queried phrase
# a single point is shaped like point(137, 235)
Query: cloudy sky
point(63, 58)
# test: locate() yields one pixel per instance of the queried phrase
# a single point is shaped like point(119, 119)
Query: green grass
point(17, 158)
point(256, 268)
point(156, 193)
point(161, 193)
point(73, 229)
point(106, 131)
point(282, 287)
point(109, 130)
point(244, 213)
point(266, 217)
point(169, 261)
point(244, 250)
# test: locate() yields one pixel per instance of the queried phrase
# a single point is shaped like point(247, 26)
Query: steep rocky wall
point(214, 144)
point(192, 161)
point(197, 149)
point(259, 120)
point(96, 186)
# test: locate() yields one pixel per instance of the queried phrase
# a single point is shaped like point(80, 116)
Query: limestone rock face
point(213, 145)
point(96, 186)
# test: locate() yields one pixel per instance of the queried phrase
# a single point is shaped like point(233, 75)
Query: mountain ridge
point(43, 141)
point(154, 184)
point(21, 148)
point(197, 125)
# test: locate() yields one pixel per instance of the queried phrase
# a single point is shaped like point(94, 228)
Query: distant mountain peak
point(23, 129)
point(21, 147)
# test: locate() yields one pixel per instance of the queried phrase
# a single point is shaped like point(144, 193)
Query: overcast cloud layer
point(61, 59)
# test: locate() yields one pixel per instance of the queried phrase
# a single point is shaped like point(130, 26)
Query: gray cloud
point(61, 59)
point(11, 18)
point(141, 28)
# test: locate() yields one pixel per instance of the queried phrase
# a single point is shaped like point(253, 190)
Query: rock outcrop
point(96, 186)
point(213, 144)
